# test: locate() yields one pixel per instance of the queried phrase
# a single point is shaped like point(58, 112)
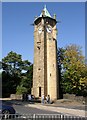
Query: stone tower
point(45, 71)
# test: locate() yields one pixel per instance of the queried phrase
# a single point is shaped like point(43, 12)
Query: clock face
point(49, 29)
point(40, 30)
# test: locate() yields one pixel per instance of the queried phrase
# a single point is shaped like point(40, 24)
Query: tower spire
point(46, 13)
point(45, 6)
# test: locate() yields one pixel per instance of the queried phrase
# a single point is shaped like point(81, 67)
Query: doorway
point(39, 91)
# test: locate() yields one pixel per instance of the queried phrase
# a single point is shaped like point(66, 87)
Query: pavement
point(63, 106)
point(62, 109)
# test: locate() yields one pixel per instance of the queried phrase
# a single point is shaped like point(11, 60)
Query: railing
point(41, 117)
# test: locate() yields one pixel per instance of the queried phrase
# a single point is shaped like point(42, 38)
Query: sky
point(17, 31)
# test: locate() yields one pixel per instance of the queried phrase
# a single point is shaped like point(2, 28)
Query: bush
point(21, 90)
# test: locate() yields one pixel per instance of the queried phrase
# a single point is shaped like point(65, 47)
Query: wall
point(74, 97)
point(16, 97)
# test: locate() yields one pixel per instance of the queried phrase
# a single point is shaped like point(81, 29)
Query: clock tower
point(45, 69)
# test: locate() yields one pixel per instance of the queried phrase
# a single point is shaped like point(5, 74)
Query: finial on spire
point(45, 11)
point(44, 6)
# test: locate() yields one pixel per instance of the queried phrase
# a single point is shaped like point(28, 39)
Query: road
point(21, 109)
point(29, 112)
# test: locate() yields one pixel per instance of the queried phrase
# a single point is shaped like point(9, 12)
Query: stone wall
point(73, 97)
point(16, 97)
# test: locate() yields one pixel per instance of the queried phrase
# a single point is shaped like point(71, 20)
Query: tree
point(14, 72)
point(73, 66)
point(11, 75)
point(26, 81)
point(27, 76)
point(83, 81)
point(20, 89)
point(13, 62)
point(60, 58)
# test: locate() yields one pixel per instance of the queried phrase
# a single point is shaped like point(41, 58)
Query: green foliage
point(73, 71)
point(16, 73)
point(21, 90)
point(60, 58)
point(26, 79)
point(12, 62)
